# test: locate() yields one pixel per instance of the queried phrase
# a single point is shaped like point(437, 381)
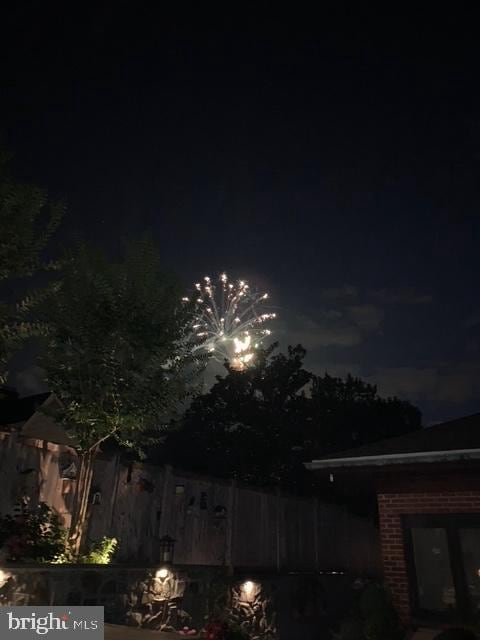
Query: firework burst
point(229, 321)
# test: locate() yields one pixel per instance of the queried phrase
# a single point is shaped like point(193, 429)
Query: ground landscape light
point(247, 587)
point(162, 573)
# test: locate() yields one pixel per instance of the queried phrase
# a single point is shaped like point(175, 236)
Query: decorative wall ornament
point(69, 471)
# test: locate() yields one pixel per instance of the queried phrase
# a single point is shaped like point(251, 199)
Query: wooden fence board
point(213, 521)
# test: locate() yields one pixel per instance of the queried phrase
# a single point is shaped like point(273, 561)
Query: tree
point(116, 355)
point(247, 425)
point(262, 424)
point(27, 222)
point(34, 535)
point(346, 413)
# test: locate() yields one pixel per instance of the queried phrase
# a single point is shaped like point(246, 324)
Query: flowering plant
point(34, 534)
point(221, 630)
point(215, 630)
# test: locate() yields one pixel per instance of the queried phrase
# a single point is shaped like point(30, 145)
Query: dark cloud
point(448, 383)
point(366, 317)
point(401, 296)
point(346, 292)
point(349, 293)
point(345, 327)
point(473, 320)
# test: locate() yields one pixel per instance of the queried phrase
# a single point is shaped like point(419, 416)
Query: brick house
point(427, 485)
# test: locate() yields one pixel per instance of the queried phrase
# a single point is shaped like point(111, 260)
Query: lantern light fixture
point(167, 547)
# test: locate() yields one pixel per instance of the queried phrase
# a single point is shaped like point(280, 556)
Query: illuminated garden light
point(162, 574)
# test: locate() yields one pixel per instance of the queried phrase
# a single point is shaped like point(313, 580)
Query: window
point(443, 562)
point(470, 547)
point(432, 563)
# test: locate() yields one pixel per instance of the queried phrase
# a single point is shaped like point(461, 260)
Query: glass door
point(470, 549)
point(434, 581)
point(443, 565)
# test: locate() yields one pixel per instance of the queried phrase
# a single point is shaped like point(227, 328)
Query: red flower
point(214, 631)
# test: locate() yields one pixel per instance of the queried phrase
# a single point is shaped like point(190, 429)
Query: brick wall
point(391, 507)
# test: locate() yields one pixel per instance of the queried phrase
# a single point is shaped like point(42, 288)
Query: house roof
point(14, 409)
point(23, 414)
point(454, 440)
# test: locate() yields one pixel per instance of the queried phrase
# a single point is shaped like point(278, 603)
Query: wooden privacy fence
point(213, 521)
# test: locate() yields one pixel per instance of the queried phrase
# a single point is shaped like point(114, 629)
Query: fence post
point(164, 512)
point(113, 503)
point(315, 531)
point(230, 528)
point(278, 528)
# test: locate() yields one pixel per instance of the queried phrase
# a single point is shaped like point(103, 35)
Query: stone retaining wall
point(268, 607)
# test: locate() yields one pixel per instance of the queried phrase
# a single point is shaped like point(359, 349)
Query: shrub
point(373, 618)
point(381, 621)
point(351, 629)
point(223, 630)
point(99, 553)
point(35, 535)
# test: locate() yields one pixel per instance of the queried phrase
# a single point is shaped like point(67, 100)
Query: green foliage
point(260, 425)
point(248, 423)
point(35, 535)
point(116, 354)
point(117, 351)
point(351, 629)
point(381, 621)
point(27, 221)
point(235, 632)
point(99, 553)
point(350, 413)
point(374, 618)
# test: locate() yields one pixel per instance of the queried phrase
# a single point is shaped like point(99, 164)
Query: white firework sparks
point(229, 322)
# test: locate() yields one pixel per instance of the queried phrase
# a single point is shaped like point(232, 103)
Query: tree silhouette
point(260, 425)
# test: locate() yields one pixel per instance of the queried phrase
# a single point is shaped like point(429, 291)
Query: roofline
point(394, 458)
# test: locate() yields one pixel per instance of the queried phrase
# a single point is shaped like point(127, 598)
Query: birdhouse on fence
point(68, 471)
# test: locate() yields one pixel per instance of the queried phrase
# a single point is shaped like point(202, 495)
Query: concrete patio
point(121, 632)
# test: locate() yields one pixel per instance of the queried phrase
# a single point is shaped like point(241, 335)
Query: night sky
point(332, 159)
